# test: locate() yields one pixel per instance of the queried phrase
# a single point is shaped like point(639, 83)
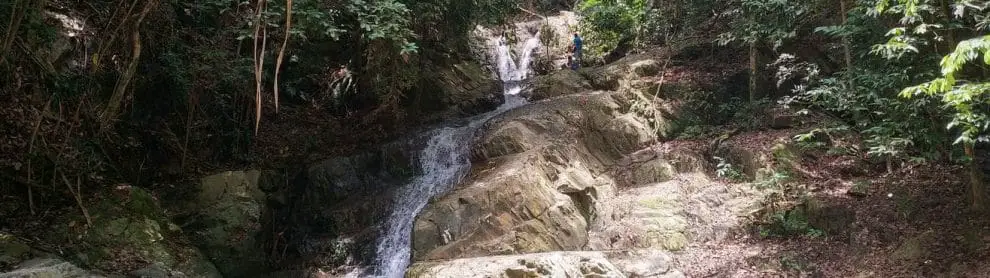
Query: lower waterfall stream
point(444, 162)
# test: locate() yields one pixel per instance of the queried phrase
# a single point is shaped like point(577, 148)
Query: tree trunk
point(950, 36)
point(17, 11)
point(752, 72)
point(845, 40)
point(259, 60)
point(120, 90)
point(977, 188)
point(281, 53)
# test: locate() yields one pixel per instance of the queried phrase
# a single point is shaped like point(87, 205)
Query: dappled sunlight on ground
point(911, 222)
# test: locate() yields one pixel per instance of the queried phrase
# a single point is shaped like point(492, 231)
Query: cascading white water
point(444, 163)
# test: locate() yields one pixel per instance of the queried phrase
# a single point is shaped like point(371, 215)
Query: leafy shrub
point(607, 22)
point(789, 224)
point(725, 170)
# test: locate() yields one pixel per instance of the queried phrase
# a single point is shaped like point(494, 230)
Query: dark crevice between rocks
point(327, 214)
point(584, 201)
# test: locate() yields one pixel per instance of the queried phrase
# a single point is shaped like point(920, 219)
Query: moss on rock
point(130, 230)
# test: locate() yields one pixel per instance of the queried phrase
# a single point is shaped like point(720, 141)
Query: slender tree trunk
point(259, 60)
point(281, 52)
point(17, 11)
point(77, 194)
point(106, 43)
point(977, 188)
point(753, 72)
point(120, 90)
point(845, 40)
point(950, 36)
point(190, 118)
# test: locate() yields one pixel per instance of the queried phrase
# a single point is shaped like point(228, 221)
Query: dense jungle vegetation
point(152, 93)
point(910, 75)
point(163, 88)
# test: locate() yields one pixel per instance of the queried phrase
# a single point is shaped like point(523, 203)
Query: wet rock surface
point(539, 175)
point(557, 264)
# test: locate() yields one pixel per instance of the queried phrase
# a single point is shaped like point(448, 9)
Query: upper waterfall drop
point(444, 162)
point(509, 72)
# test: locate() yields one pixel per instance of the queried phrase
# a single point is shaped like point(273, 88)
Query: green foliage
point(383, 19)
point(789, 224)
point(766, 21)
point(962, 92)
point(773, 179)
point(725, 170)
point(867, 98)
point(968, 98)
point(748, 115)
point(670, 19)
point(607, 22)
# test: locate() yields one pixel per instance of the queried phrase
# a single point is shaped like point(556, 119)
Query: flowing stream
point(444, 162)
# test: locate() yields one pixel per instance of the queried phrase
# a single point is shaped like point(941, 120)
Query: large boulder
point(540, 173)
point(336, 207)
point(225, 221)
point(559, 83)
point(611, 76)
point(341, 178)
point(49, 268)
point(462, 89)
point(13, 251)
point(129, 232)
point(558, 264)
point(519, 212)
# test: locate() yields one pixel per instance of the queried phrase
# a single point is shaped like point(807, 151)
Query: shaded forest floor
point(838, 212)
point(868, 222)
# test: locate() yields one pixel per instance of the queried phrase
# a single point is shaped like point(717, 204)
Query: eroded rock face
point(571, 173)
point(669, 215)
point(519, 212)
point(540, 173)
point(610, 77)
point(559, 83)
point(558, 264)
point(464, 89)
point(336, 208)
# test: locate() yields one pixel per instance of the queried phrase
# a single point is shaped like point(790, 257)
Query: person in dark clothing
point(577, 51)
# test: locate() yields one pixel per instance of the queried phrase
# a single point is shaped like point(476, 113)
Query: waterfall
point(444, 162)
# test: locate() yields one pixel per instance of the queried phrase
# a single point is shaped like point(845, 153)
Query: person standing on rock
point(577, 51)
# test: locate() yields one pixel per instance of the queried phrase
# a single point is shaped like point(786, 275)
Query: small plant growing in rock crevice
point(725, 170)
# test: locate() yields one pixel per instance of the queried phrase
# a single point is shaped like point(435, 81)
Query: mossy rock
point(860, 188)
point(646, 68)
point(129, 229)
point(13, 251)
point(785, 154)
point(672, 241)
point(226, 220)
point(653, 171)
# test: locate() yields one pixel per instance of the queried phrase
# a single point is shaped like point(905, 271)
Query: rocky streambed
point(577, 183)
